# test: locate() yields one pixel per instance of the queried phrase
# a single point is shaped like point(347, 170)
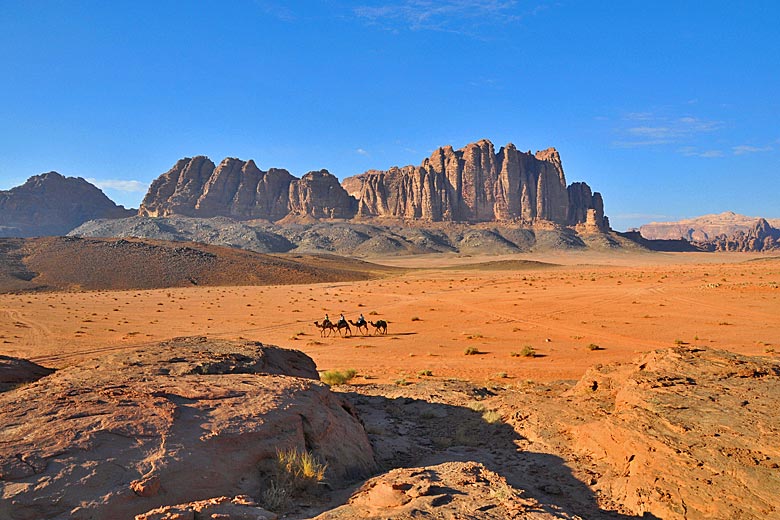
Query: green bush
point(334, 377)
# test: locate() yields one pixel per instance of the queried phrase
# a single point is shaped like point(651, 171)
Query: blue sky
point(669, 109)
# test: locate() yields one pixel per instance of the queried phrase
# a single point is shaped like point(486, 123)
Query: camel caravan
point(342, 326)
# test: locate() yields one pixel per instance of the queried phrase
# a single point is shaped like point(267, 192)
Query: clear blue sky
point(670, 109)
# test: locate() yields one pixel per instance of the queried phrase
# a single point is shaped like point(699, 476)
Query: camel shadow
point(410, 432)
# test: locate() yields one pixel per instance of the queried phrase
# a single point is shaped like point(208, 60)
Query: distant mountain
point(760, 237)
point(51, 204)
point(473, 184)
point(704, 228)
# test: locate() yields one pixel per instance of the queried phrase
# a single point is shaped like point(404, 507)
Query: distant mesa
point(473, 184)
point(703, 228)
point(51, 204)
point(726, 231)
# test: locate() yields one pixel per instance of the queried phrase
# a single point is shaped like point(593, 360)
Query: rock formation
point(183, 421)
point(195, 187)
point(679, 433)
point(473, 184)
point(760, 237)
point(702, 229)
point(51, 204)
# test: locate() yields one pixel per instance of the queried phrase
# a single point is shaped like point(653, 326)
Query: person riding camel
point(342, 319)
point(361, 320)
point(327, 319)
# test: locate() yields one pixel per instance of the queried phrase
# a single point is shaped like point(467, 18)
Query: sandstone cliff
point(476, 184)
point(473, 184)
point(51, 204)
point(195, 187)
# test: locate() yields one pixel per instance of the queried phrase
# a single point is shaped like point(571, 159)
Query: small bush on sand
point(593, 346)
point(425, 373)
point(334, 377)
point(416, 318)
point(470, 351)
point(528, 351)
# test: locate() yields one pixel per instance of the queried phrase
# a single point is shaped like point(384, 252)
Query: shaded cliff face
point(51, 204)
point(473, 184)
point(195, 187)
point(477, 184)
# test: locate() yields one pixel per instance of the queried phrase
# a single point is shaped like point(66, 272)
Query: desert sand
point(575, 310)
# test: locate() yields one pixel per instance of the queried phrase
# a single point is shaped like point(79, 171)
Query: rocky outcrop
point(195, 187)
point(681, 433)
point(702, 229)
point(760, 237)
point(448, 490)
point(476, 184)
point(51, 204)
point(473, 184)
point(179, 422)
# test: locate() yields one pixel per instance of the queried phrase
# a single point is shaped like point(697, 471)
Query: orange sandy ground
point(624, 303)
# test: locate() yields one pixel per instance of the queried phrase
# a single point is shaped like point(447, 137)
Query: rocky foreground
point(192, 428)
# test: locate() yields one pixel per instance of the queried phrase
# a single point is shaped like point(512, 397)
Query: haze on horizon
point(669, 110)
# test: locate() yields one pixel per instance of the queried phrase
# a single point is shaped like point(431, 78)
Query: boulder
point(182, 421)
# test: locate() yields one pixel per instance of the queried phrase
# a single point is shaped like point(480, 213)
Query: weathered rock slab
point(182, 421)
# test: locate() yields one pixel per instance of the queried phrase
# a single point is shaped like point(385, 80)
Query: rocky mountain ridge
point(51, 204)
point(473, 184)
point(703, 228)
point(760, 237)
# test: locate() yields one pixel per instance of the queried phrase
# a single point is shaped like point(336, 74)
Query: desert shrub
point(593, 346)
point(416, 318)
point(425, 373)
point(296, 472)
point(527, 351)
point(477, 406)
point(502, 375)
point(470, 351)
point(402, 382)
point(491, 416)
point(334, 377)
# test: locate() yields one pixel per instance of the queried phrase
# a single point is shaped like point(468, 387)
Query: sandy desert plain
point(559, 304)
point(684, 427)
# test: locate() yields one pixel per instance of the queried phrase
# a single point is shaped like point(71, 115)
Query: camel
point(326, 325)
point(379, 325)
point(359, 327)
point(342, 325)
